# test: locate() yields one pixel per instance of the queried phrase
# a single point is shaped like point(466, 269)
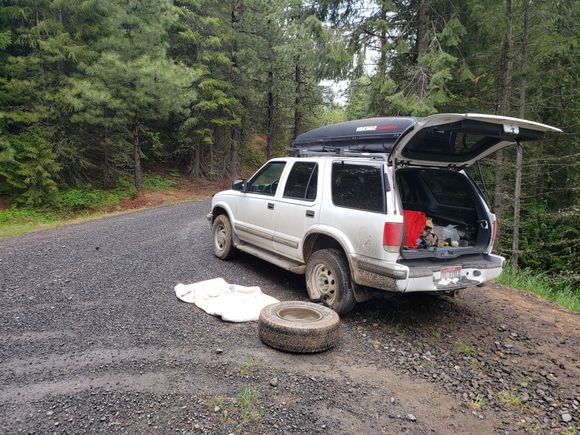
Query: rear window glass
point(358, 186)
point(448, 188)
point(302, 181)
point(456, 142)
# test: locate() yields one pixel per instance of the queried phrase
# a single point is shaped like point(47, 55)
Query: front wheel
point(223, 244)
point(328, 278)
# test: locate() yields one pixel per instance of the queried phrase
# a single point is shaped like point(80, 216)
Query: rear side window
point(448, 188)
point(302, 181)
point(358, 186)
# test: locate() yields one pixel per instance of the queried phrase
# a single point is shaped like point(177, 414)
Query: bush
point(157, 182)
point(89, 198)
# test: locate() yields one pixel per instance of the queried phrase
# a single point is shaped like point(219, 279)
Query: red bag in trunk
point(414, 223)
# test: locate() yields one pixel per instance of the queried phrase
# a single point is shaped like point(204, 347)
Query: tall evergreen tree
point(132, 83)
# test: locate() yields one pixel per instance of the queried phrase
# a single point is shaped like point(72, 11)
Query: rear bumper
point(425, 275)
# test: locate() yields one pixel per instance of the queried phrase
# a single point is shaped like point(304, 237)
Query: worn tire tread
point(298, 336)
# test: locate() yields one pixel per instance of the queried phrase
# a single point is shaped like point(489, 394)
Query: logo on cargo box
point(376, 128)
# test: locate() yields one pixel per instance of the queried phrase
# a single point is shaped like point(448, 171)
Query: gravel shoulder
point(93, 339)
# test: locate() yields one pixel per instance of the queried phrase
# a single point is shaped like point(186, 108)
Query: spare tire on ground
point(301, 327)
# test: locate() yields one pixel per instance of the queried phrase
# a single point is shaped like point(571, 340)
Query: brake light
point(493, 230)
point(392, 236)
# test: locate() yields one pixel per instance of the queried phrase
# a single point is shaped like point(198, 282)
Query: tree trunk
point(106, 171)
point(234, 153)
point(234, 77)
point(422, 45)
point(504, 109)
point(270, 117)
point(520, 150)
point(297, 101)
point(196, 163)
point(381, 74)
point(137, 155)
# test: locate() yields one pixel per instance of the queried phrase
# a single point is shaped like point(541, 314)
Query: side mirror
point(239, 185)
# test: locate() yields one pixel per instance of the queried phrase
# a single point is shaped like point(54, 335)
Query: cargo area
point(444, 215)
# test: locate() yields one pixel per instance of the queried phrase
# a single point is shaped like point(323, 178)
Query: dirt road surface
point(93, 339)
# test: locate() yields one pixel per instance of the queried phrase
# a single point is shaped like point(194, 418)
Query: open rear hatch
point(456, 140)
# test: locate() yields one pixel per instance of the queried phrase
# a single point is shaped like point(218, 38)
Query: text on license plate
point(451, 272)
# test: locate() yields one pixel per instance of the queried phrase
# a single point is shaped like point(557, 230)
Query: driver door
point(255, 223)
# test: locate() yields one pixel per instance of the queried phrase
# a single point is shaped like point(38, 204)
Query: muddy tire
point(222, 240)
point(328, 278)
point(299, 327)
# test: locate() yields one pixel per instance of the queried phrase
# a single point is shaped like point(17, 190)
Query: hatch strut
point(481, 178)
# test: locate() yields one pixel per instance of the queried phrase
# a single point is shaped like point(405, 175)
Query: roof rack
point(336, 151)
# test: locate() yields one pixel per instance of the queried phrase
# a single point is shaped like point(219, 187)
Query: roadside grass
point(557, 291)
point(477, 403)
point(77, 204)
point(465, 348)
point(249, 367)
point(249, 404)
point(510, 398)
point(244, 408)
point(15, 221)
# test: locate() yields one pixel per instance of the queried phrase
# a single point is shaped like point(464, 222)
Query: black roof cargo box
point(364, 135)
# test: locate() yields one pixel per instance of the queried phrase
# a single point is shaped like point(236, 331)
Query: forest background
point(94, 92)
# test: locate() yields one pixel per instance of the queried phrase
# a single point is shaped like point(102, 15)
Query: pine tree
point(132, 83)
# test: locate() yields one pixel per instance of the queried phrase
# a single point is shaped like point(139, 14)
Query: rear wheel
point(223, 244)
point(328, 278)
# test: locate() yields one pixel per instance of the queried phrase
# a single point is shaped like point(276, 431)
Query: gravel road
point(93, 339)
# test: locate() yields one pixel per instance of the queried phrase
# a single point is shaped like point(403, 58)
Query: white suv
point(380, 204)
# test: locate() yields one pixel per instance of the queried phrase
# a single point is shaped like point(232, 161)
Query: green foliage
point(249, 367)
point(465, 348)
point(250, 159)
point(32, 171)
point(510, 398)
point(249, 404)
point(477, 403)
point(157, 183)
point(561, 291)
point(89, 198)
point(15, 220)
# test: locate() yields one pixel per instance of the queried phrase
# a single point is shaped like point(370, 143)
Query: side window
point(358, 186)
point(302, 181)
point(266, 180)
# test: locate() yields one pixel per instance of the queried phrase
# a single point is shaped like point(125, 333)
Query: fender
point(218, 203)
point(333, 232)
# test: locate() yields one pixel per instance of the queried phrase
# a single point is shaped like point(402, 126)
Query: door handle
point(309, 213)
point(271, 206)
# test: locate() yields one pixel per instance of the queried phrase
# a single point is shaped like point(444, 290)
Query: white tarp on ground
point(231, 302)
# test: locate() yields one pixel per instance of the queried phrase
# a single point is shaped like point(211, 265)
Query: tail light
point(493, 230)
point(392, 236)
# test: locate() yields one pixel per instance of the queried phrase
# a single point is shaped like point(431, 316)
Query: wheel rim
point(220, 237)
point(323, 282)
point(299, 314)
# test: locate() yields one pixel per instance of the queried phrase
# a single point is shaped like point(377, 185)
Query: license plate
point(451, 273)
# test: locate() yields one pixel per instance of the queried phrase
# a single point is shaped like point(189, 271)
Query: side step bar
point(278, 260)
